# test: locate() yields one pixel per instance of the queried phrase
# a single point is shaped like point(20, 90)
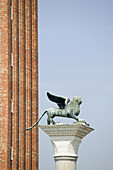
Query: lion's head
point(76, 99)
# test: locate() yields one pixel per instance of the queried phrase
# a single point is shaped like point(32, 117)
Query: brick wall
point(19, 83)
point(5, 85)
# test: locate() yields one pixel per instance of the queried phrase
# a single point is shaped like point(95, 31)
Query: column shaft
point(65, 163)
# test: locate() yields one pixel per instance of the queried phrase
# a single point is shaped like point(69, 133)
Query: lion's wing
point(60, 101)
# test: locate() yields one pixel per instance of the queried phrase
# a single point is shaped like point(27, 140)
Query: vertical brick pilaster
point(15, 119)
point(21, 84)
point(5, 85)
point(34, 84)
point(9, 85)
point(28, 18)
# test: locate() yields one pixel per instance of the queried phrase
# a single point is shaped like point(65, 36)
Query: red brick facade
point(18, 83)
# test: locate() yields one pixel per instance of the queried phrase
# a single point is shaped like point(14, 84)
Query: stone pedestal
point(66, 140)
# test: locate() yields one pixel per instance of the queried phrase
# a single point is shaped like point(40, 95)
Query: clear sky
point(76, 59)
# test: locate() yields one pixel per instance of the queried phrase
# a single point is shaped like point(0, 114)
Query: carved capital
point(65, 147)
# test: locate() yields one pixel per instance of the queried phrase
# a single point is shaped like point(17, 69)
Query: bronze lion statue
point(70, 110)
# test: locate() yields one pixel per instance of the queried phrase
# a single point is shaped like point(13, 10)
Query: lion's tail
point(37, 121)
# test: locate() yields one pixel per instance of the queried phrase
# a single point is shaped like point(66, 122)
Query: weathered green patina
point(70, 110)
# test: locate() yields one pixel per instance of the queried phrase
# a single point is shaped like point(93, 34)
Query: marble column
point(66, 140)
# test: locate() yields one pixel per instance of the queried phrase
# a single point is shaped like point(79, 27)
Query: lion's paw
point(81, 120)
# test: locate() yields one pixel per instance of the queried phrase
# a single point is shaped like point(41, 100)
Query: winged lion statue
point(67, 108)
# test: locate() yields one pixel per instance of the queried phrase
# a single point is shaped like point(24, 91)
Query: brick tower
point(18, 84)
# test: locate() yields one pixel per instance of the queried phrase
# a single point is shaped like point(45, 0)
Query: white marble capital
point(65, 146)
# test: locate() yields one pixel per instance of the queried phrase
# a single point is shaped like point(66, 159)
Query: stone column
point(66, 140)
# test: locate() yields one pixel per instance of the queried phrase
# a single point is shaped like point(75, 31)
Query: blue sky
point(76, 59)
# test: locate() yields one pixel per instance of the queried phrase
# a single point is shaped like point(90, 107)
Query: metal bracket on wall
point(11, 153)
point(11, 13)
point(11, 106)
point(11, 59)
